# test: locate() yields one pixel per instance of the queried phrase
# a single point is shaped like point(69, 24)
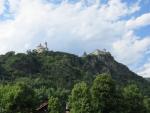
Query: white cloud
point(116, 9)
point(139, 21)
point(2, 6)
point(14, 5)
point(145, 70)
point(68, 23)
point(129, 49)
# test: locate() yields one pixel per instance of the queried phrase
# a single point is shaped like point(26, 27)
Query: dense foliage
point(53, 105)
point(104, 94)
point(17, 98)
point(27, 80)
point(105, 98)
point(80, 99)
point(63, 70)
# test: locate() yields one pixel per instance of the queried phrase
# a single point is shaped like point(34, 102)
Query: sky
point(120, 26)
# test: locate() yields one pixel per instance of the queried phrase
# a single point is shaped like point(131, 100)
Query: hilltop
point(63, 70)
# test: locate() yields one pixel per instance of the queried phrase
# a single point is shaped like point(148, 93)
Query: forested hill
point(63, 70)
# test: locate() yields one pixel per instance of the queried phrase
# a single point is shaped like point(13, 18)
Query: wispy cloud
point(141, 21)
point(130, 48)
point(145, 69)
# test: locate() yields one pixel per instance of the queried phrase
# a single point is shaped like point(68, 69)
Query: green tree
point(133, 99)
point(104, 94)
point(147, 104)
point(80, 101)
point(53, 105)
point(16, 98)
point(62, 94)
point(25, 100)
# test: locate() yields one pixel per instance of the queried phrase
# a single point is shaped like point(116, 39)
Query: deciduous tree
point(80, 101)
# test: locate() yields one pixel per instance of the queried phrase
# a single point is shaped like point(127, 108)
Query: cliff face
point(59, 69)
point(148, 79)
point(106, 63)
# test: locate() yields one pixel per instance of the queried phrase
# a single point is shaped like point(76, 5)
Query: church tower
point(40, 48)
point(46, 47)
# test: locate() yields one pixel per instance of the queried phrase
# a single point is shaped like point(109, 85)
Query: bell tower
point(46, 46)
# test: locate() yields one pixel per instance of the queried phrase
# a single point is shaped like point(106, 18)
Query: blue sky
point(75, 26)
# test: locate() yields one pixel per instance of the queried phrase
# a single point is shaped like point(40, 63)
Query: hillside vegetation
point(63, 70)
point(54, 74)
